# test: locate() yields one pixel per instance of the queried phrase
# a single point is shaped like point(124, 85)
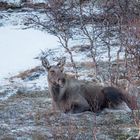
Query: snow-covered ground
point(19, 47)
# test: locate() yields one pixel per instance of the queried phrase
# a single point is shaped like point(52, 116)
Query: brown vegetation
point(28, 73)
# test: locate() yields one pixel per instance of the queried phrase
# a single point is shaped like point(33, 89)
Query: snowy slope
point(19, 47)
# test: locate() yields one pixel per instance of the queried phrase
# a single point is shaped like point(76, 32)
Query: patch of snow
point(9, 94)
point(9, 88)
point(19, 48)
point(11, 1)
point(37, 84)
point(123, 107)
point(39, 1)
point(19, 18)
point(6, 90)
point(19, 1)
point(26, 128)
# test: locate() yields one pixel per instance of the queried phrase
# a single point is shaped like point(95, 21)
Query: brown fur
point(75, 96)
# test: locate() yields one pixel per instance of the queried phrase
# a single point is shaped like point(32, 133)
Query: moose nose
point(61, 82)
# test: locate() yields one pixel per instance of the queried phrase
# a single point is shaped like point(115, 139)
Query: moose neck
point(56, 91)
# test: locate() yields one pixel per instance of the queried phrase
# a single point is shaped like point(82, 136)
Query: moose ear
point(62, 62)
point(45, 63)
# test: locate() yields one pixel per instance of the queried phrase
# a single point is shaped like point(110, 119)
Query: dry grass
point(28, 73)
point(84, 64)
point(36, 5)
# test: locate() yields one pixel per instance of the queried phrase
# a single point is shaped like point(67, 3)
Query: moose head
point(55, 72)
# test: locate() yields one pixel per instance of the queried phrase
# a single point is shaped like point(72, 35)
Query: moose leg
point(79, 105)
point(78, 108)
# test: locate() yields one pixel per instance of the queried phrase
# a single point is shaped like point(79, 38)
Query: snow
point(37, 84)
point(19, 18)
point(19, 1)
point(11, 1)
point(19, 47)
point(9, 87)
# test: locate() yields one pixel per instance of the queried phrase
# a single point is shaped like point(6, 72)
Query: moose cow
point(74, 96)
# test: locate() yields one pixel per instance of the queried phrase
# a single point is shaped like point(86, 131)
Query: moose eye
point(52, 71)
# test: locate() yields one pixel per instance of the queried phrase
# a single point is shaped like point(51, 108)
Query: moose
point(71, 95)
